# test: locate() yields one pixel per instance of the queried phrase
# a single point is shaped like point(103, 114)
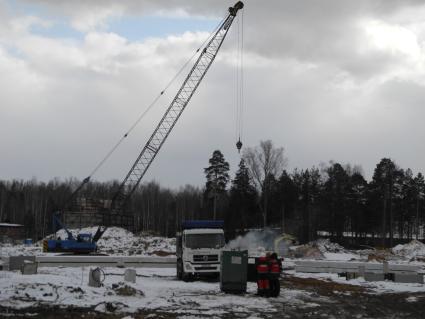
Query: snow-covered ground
point(323, 249)
point(155, 289)
point(159, 290)
point(412, 251)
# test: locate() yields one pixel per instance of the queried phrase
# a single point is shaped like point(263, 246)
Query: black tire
point(179, 269)
point(186, 277)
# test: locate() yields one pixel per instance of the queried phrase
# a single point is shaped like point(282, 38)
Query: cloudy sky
point(327, 80)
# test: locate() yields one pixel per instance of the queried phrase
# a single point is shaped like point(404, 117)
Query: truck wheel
point(179, 269)
point(186, 277)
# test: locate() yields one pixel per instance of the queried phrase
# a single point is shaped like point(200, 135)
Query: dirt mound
point(316, 249)
point(306, 251)
point(321, 286)
point(121, 289)
point(326, 246)
point(412, 251)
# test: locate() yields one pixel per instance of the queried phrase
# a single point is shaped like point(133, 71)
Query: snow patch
point(69, 287)
point(411, 250)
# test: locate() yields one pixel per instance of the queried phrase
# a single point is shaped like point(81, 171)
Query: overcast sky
point(327, 80)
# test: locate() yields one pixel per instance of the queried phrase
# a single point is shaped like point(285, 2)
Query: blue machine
point(83, 244)
point(191, 224)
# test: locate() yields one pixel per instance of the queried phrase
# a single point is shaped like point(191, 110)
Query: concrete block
point(385, 267)
point(16, 262)
point(370, 276)
point(409, 278)
point(95, 277)
point(351, 275)
point(374, 267)
point(345, 265)
point(404, 268)
point(318, 266)
point(340, 270)
point(310, 269)
point(130, 275)
point(29, 268)
point(312, 263)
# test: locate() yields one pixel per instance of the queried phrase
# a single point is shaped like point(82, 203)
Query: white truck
point(199, 245)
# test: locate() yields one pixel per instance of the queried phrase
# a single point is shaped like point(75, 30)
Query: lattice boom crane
point(172, 114)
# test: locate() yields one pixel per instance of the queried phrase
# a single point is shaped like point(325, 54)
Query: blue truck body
point(69, 246)
point(192, 224)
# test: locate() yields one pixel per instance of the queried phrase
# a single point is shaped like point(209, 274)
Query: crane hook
point(239, 145)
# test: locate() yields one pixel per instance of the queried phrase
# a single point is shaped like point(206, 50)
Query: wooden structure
point(11, 232)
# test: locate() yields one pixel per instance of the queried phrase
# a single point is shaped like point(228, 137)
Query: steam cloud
point(255, 241)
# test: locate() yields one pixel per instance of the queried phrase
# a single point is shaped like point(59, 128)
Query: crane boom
point(173, 112)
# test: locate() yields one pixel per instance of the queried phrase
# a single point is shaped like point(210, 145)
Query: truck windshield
point(195, 241)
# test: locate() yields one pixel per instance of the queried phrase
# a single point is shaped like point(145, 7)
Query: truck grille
point(206, 268)
point(205, 258)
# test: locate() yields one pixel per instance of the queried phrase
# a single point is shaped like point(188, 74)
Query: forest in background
point(335, 199)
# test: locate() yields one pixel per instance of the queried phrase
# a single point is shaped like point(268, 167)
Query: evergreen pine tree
point(336, 191)
point(288, 196)
point(356, 204)
point(243, 198)
point(420, 195)
point(383, 190)
point(217, 175)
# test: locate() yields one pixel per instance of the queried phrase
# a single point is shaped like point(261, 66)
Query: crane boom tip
point(238, 5)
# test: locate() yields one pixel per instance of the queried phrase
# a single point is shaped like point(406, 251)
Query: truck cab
point(199, 246)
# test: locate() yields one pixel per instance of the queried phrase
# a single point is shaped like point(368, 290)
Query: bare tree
point(263, 162)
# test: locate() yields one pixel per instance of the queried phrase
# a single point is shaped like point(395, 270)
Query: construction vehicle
point(198, 248)
point(83, 243)
point(162, 130)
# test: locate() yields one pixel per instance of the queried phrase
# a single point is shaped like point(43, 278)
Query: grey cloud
point(62, 108)
point(310, 31)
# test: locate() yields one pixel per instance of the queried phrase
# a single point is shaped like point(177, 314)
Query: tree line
point(334, 200)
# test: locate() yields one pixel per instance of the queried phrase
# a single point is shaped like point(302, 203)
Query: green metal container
point(233, 272)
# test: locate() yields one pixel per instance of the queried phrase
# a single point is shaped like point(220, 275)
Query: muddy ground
point(337, 300)
point(322, 299)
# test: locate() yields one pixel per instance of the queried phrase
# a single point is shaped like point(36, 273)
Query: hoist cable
point(242, 78)
point(239, 78)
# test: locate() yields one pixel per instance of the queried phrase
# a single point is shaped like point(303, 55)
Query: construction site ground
point(158, 294)
point(63, 292)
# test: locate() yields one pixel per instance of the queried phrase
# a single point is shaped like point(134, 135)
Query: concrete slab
point(404, 268)
point(312, 263)
point(362, 270)
point(130, 275)
point(373, 267)
point(311, 269)
point(29, 268)
point(368, 276)
point(409, 278)
point(351, 275)
point(106, 261)
point(314, 266)
point(16, 262)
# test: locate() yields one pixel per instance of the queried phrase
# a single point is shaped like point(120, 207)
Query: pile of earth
point(413, 251)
